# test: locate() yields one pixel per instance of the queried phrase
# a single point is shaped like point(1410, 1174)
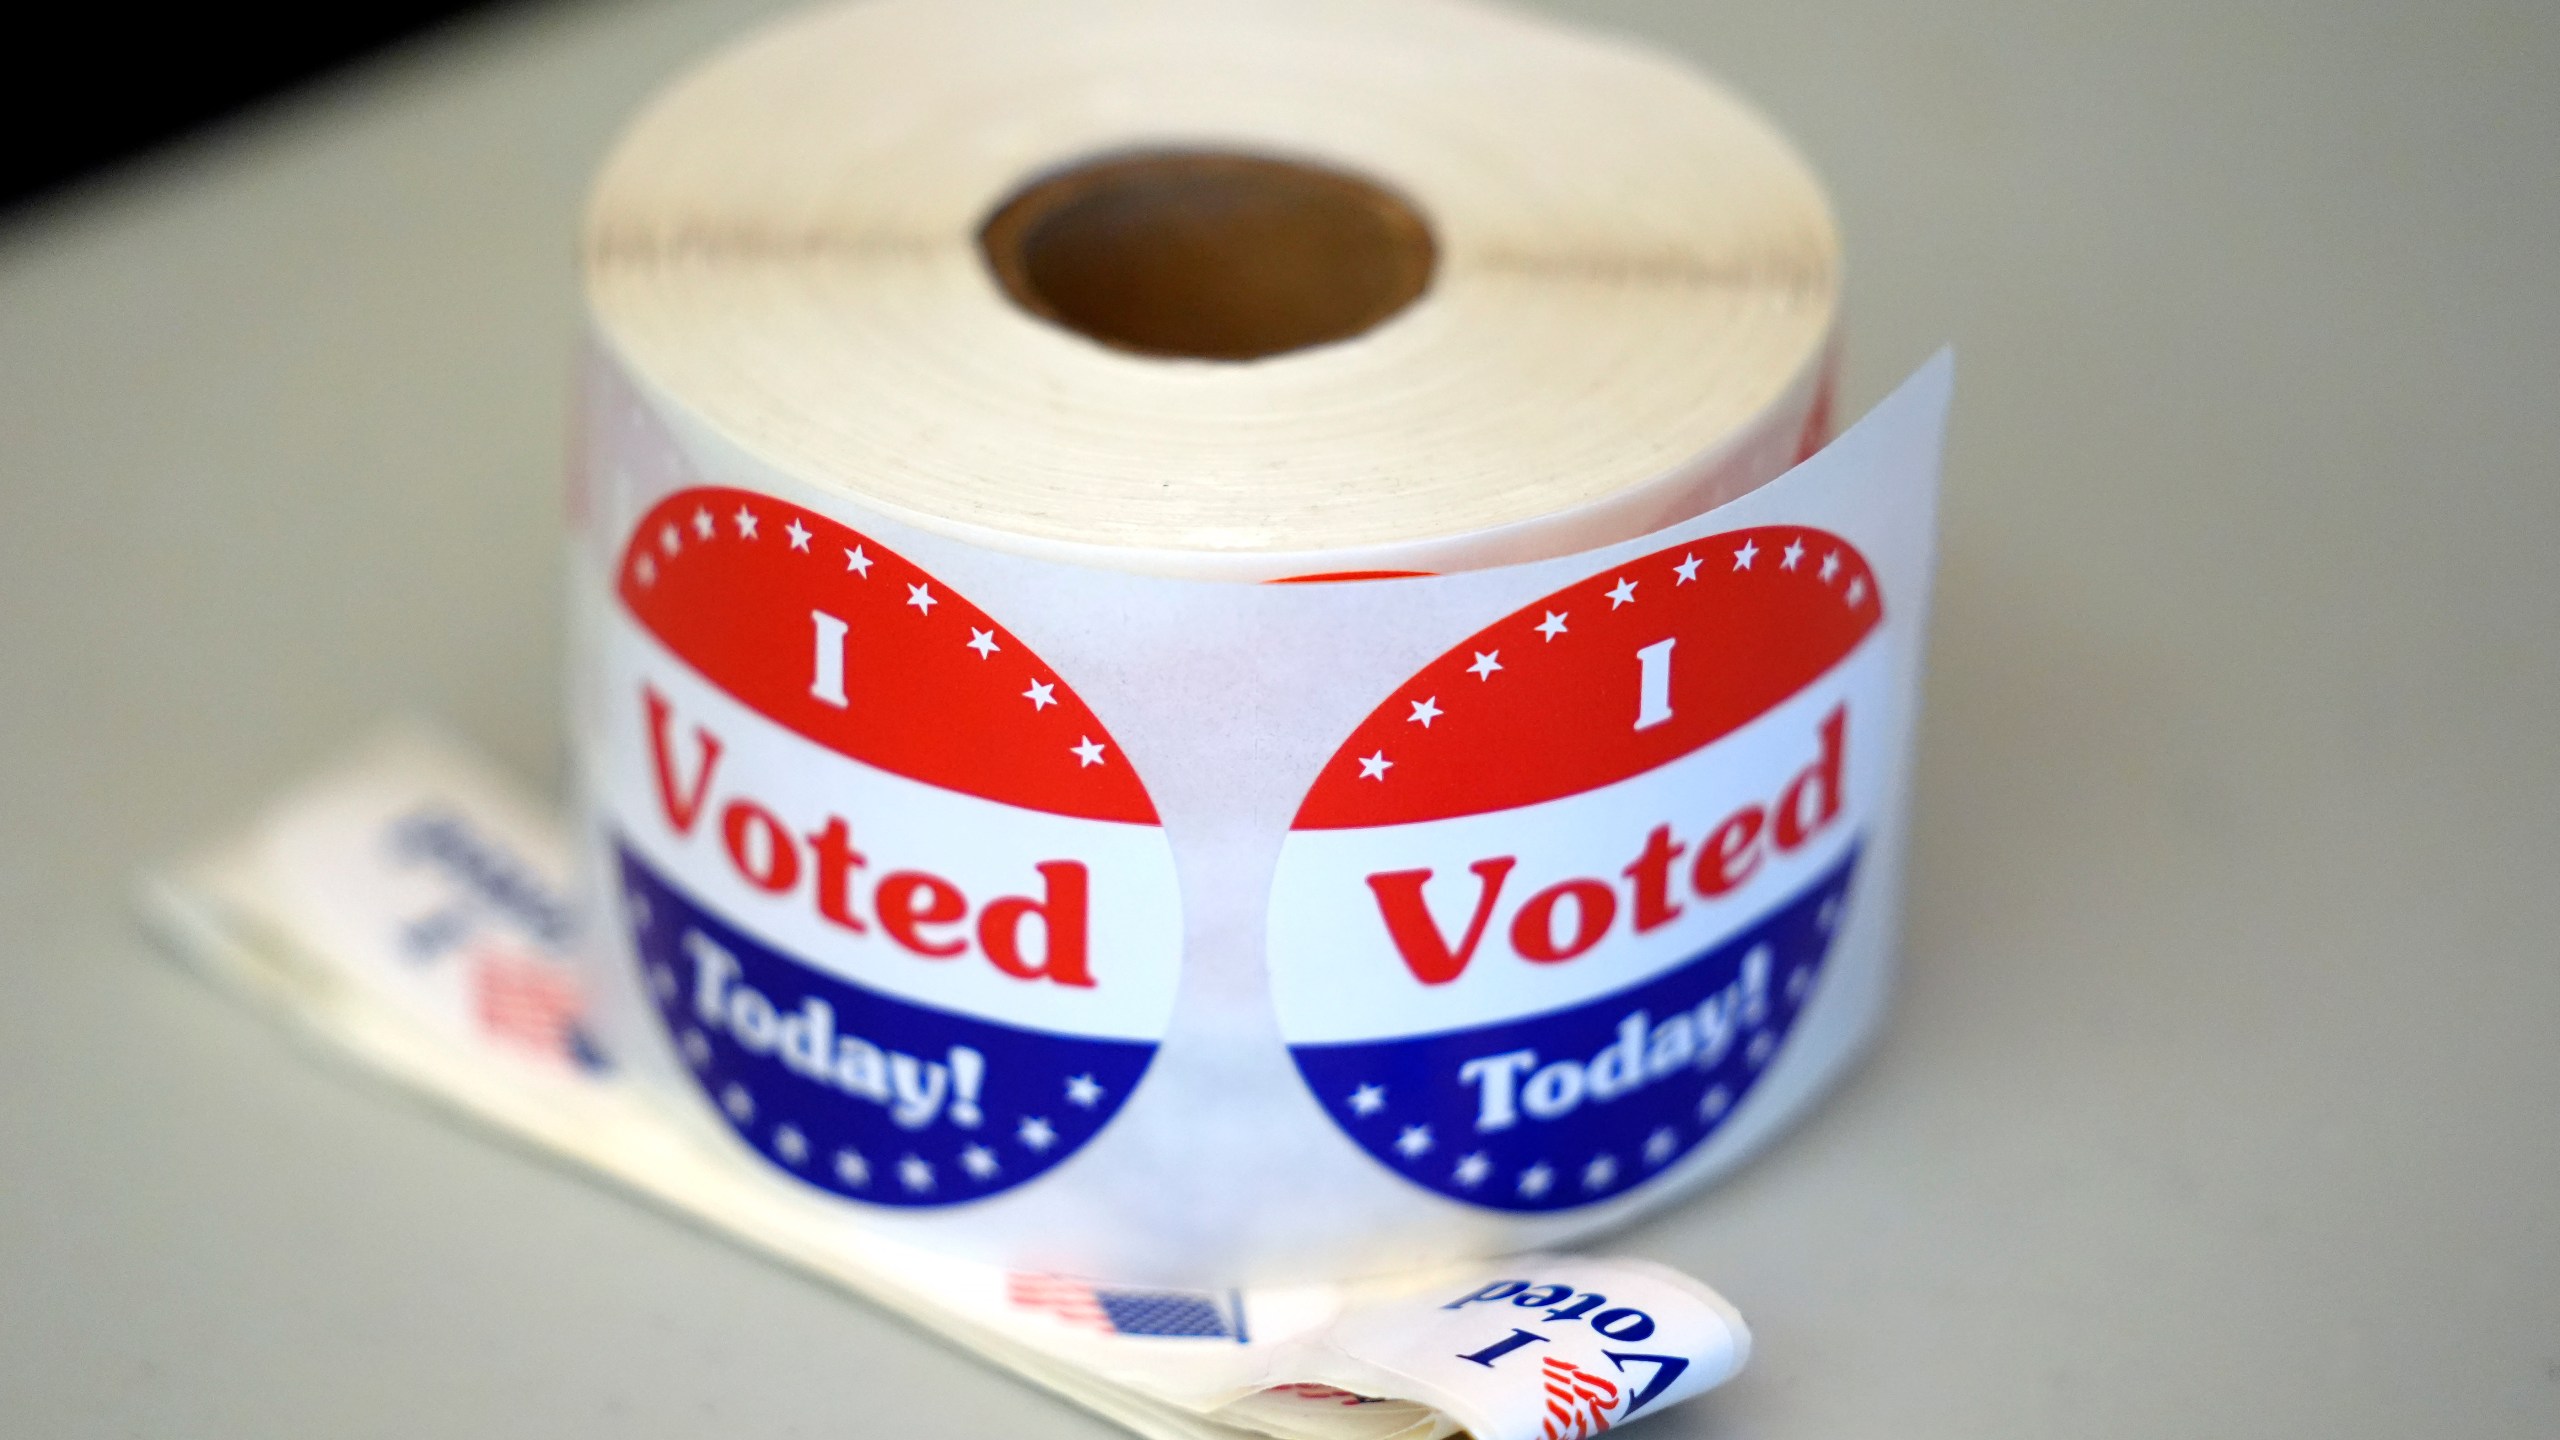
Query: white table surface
point(2224, 1093)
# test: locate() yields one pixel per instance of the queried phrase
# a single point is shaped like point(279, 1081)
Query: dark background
point(98, 85)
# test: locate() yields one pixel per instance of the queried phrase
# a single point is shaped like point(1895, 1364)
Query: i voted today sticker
point(903, 906)
point(1549, 914)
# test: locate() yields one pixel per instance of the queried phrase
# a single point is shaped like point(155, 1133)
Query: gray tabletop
point(2224, 1093)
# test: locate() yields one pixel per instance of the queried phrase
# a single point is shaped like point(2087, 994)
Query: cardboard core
point(1207, 255)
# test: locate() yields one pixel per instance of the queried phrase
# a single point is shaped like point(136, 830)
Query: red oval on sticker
point(843, 641)
point(1605, 679)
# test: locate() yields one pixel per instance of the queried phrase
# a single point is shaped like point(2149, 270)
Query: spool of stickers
point(990, 852)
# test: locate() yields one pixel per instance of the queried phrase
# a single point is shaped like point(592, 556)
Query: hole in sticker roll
point(1208, 255)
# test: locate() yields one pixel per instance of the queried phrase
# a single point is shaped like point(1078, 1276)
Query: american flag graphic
point(1160, 1314)
point(525, 1002)
point(1578, 1402)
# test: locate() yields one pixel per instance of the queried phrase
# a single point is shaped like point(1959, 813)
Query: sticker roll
point(990, 853)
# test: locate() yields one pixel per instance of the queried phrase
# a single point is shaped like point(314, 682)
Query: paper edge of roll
point(1280, 527)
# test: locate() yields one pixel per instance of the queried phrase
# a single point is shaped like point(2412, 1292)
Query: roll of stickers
point(1221, 685)
point(990, 852)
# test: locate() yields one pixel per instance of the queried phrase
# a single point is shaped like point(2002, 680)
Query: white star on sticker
point(670, 539)
point(1857, 589)
point(791, 1145)
point(646, 568)
point(1553, 625)
point(663, 980)
point(745, 520)
point(1829, 914)
point(1368, 1099)
point(1788, 557)
point(857, 562)
point(915, 1174)
point(638, 905)
point(1601, 1170)
point(983, 641)
point(1040, 696)
point(1799, 980)
point(799, 534)
point(1036, 1134)
point(1535, 1180)
point(852, 1169)
point(1687, 569)
point(740, 1105)
point(1375, 767)
point(704, 525)
point(1486, 663)
point(1761, 1047)
point(1425, 710)
point(1472, 1169)
point(1088, 751)
point(922, 598)
point(697, 1049)
point(1830, 566)
point(1742, 557)
point(1083, 1092)
point(1715, 1102)
point(1414, 1142)
point(1659, 1145)
point(1622, 593)
point(979, 1161)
